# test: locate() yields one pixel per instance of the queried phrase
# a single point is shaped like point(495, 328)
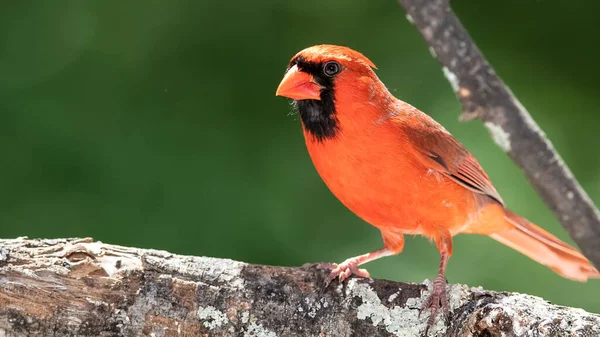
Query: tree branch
point(483, 95)
point(78, 287)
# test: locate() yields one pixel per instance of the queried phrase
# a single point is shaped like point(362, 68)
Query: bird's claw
point(344, 270)
point(438, 299)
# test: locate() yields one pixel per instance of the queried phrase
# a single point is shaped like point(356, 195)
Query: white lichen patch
point(403, 321)
point(3, 255)
point(452, 79)
point(94, 302)
point(501, 137)
point(311, 306)
point(458, 295)
point(400, 321)
point(245, 317)
point(257, 330)
point(212, 317)
point(432, 52)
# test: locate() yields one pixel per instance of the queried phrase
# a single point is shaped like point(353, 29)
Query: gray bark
point(483, 95)
point(78, 287)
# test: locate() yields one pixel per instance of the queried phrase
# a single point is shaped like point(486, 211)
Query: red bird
point(401, 171)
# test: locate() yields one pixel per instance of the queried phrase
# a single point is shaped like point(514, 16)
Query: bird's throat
point(318, 117)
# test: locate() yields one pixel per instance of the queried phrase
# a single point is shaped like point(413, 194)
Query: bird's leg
point(393, 242)
point(438, 297)
point(350, 266)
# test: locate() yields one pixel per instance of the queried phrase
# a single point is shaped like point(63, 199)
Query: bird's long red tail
point(545, 248)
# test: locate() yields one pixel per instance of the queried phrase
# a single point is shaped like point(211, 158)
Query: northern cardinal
point(401, 171)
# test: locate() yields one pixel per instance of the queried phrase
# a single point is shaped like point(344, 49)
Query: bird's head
point(314, 71)
point(315, 79)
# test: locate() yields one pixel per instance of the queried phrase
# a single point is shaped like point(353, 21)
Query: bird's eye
point(331, 68)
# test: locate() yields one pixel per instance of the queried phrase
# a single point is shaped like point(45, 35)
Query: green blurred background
point(154, 124)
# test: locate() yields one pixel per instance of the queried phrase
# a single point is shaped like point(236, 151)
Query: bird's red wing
point(440, 151)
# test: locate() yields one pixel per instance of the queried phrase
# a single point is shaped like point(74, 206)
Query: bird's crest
point(325, 52)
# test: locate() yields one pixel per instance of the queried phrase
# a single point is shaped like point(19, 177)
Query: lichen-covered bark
point(483, 95)
point(78, 287)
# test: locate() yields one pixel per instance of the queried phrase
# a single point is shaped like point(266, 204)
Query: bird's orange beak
point(298, 85)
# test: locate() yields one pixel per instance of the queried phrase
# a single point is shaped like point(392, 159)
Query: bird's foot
point(345, 270)
point(437, 300)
